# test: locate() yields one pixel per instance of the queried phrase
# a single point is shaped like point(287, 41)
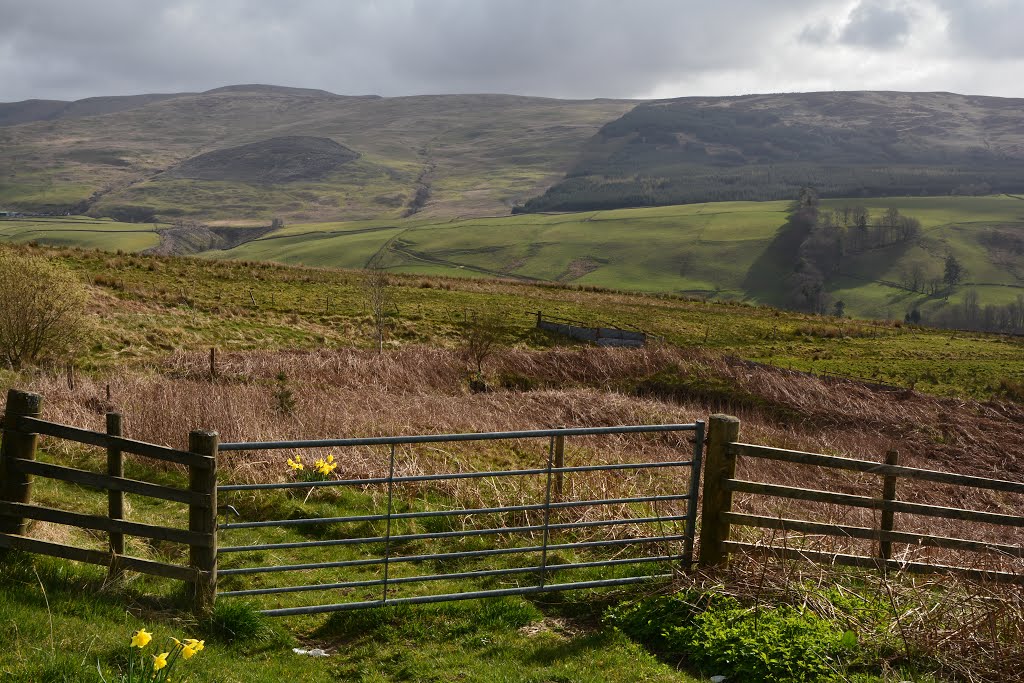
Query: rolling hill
point(439, 155)
point(763, 147)
point(426, 185)
point(478, 155)
point(723, 250)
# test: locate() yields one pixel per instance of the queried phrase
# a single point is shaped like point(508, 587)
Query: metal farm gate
point(378, 557)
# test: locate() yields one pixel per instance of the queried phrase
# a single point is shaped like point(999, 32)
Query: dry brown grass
point(423, 390)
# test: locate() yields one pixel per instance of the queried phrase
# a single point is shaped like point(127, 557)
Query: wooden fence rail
point(718, 517)
point(21, 430)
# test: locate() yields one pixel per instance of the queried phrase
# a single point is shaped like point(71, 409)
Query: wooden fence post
point(559, 462)
point(888, 493)
point(719, 465)
point(16, 487)
point(115, 499)
point(203, 519)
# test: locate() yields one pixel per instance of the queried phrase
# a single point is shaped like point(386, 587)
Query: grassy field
point(153, 305)
point(726, 250)
point(60, 621)
point(720, 250)
point(156, 317)
point(81, 232)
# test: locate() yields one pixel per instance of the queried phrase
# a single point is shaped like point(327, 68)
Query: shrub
point(718, 635)
point(42, 310)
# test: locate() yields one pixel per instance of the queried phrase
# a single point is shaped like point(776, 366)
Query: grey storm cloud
point(876, 24)
point(67, 49)
point(987, 28)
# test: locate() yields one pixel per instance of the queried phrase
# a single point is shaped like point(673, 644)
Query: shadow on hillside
point(766, 278)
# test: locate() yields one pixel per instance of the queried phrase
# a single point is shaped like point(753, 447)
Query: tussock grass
point(424, 390)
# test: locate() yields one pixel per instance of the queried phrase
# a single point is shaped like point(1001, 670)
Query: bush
point(718, 635)
point(42, 310)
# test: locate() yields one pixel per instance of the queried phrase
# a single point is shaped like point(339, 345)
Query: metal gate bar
point(450, 513)
point(451, 534)
point(468, 595)
point(453, 475)
point(541, 570)
point(443, 438)
point(439, 577)
point(450, 556)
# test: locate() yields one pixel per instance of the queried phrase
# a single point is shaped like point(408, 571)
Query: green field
point(154, 305)
point(78, 231)
point(725, 250)
point(722, 250)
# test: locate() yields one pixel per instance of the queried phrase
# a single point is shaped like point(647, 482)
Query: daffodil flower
point(160, 661)
point(141, 638)
point(198, 645)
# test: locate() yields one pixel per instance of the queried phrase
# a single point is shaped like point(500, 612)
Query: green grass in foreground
point(60, 620)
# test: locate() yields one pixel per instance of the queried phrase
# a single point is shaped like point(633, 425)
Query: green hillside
point(79, 231)
point(733, 250)
point(726, 250)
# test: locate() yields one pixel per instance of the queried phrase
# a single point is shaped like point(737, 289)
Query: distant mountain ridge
point(27, 111)
point(15, 113)
point(763, 147)
point(432, 154)
point(478, 154)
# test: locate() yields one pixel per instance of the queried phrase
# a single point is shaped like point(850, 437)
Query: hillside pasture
point(727, 250)
point(81, 232)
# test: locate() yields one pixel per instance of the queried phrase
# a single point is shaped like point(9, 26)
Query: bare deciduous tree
point(481, 334)
point(379, 299)
point(42, 310)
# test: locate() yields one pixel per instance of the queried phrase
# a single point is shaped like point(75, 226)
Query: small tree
point(379, 299)
point(481, 334)
point(42, 310)
point(953, 272)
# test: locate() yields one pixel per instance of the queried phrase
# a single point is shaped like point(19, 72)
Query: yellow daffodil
point(141, 638)
point(296, 464)
point(325, 467)
point(198, 645)
point(160, 661)
point(188, 651)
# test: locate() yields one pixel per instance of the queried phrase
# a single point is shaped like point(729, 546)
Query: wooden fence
point(21, 430)
point(718, 517)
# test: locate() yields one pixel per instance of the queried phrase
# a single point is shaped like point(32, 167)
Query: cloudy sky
point(69, 49)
